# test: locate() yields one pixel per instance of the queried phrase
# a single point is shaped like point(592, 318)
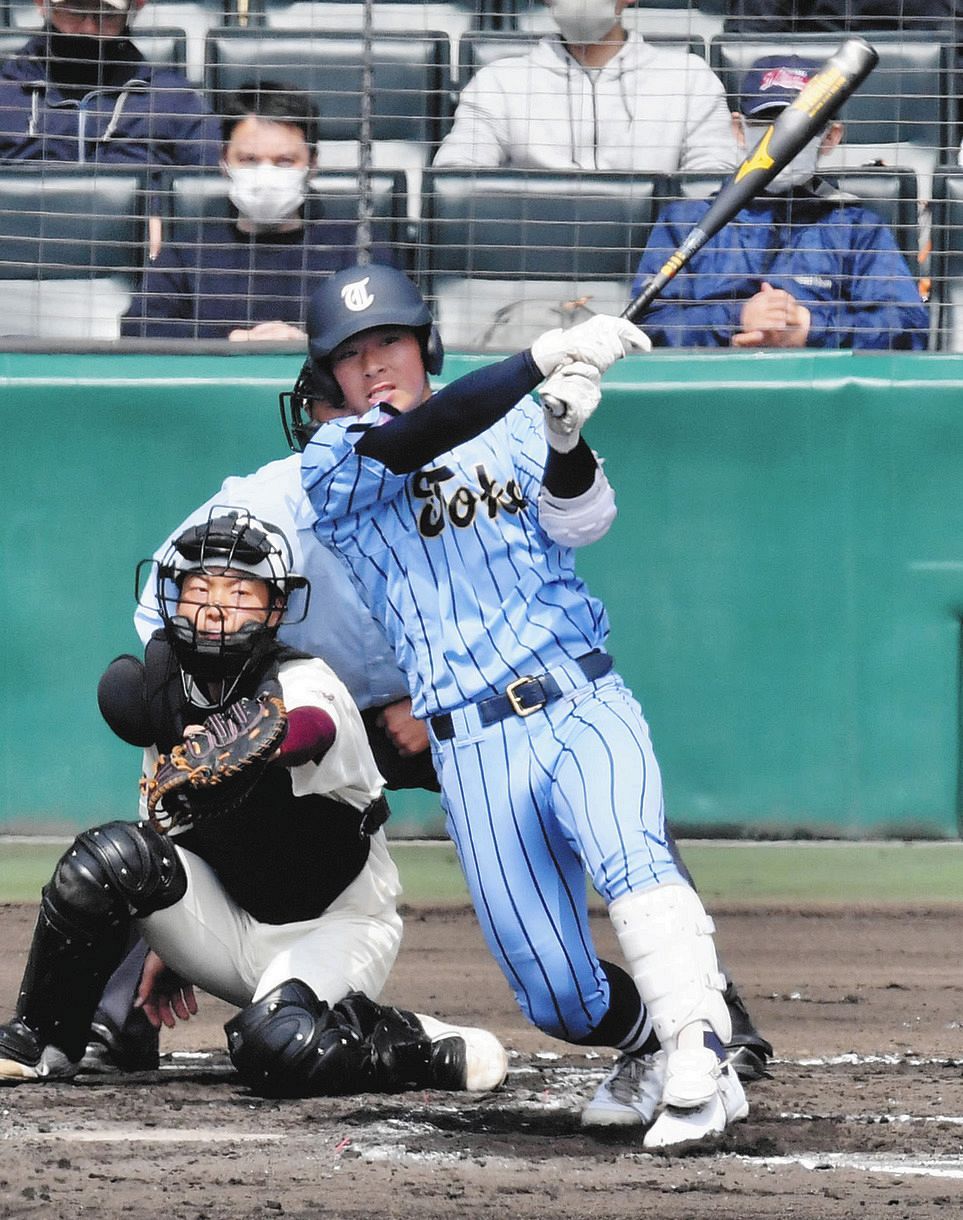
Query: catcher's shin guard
point(106, 876)
point(291, 1044)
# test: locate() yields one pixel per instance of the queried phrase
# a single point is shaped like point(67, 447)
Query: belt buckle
point(513, 701)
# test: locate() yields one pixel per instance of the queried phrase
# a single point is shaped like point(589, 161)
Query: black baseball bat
point(793, 128)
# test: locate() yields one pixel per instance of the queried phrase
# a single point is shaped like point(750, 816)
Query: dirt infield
point(863, 1115)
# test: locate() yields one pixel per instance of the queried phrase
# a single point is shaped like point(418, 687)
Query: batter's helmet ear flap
point(434, 353)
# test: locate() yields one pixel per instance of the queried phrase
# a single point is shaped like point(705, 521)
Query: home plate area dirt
point(862, 1115)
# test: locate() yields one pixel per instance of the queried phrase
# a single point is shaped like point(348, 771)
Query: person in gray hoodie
point(593, 97)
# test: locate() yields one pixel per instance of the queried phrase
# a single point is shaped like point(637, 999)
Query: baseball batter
point(271, 888)
point(459, 513)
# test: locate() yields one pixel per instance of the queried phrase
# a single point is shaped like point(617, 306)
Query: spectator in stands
point(80, 92)
point(247, 278)
point(759, 17)
point(593, 97)
point(803, 265)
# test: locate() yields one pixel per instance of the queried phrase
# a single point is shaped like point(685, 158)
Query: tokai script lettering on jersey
point(461, 505)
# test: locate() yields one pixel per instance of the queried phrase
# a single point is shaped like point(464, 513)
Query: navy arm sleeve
point(568, 475)
point(460, 411)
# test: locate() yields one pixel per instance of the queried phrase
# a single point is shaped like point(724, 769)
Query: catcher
point(259, 870)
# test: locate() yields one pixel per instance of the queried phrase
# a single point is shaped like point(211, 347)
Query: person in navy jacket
point(803, 265)
point(247, 276)
point(79, 92)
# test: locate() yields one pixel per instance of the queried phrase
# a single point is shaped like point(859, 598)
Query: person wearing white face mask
point(247, 278)
point(593, 97)
point(802, 265)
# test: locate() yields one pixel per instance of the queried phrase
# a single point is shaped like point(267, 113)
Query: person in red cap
point(803, 265)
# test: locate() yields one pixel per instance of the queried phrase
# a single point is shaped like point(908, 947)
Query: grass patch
point(818, 873)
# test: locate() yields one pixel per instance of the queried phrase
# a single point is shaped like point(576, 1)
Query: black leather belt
point(523, 696)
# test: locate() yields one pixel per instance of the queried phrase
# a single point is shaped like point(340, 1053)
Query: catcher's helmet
point(360, 298)
point(233, 540)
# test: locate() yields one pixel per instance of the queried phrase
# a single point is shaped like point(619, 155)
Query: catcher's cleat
point(24, 1060)
point(135, 1048)
point(748, 1051)
point(702, 1097)
point(464, 1058)
point(630, 1094)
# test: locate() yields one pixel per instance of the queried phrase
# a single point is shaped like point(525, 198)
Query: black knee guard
point(291, 1044)
point(124, 866)
point(107, 875)
point(400, 1054)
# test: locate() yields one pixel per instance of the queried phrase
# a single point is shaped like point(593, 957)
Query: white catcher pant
point(218, 946)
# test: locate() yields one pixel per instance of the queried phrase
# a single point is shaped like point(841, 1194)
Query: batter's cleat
point(748, 1051)
point(135, 1048)
point(464, 1058)
point(630, 1094)
point(23, 1060)
point(702, 1097)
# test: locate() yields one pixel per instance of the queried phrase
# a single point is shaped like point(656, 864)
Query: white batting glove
point(569, 397)
point(600, 342)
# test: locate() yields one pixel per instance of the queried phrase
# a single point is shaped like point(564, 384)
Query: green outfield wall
point(784, 579)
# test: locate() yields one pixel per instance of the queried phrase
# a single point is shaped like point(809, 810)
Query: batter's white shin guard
point(666, 937)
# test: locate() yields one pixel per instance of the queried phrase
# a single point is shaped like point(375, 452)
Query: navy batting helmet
point(360, 298)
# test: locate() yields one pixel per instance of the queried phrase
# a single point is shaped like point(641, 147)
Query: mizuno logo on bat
point(760, 158)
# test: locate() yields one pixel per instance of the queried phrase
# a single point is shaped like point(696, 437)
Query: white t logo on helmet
point(356, 296)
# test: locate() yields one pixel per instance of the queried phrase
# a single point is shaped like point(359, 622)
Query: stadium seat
point(947, 259)
point(701, 18)
point(71, 245)
point(478, 48)
point(165, 48)
point(506, 254)
point(195, 199)
point(901, 114)
point(193, 17)
point(411, 78)
point(454, 17)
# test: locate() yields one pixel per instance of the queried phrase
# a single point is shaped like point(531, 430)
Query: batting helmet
point(360, 298)
point(229, 540)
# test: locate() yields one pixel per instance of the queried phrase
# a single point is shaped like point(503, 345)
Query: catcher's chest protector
point(282, 858)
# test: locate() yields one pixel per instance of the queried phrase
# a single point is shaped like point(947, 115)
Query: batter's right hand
point(600, 342)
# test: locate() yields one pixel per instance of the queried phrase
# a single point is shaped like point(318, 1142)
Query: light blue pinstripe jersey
point(452, 559)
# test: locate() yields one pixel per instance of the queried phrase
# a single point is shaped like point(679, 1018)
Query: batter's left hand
point(408, 735)
point(569, 397)
point(163, 995)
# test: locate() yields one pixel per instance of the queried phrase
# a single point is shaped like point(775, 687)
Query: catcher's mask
point(235, 542)
point(358, 299)
point(295, 406)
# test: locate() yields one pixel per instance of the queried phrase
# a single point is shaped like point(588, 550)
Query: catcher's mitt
point(215, 767)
